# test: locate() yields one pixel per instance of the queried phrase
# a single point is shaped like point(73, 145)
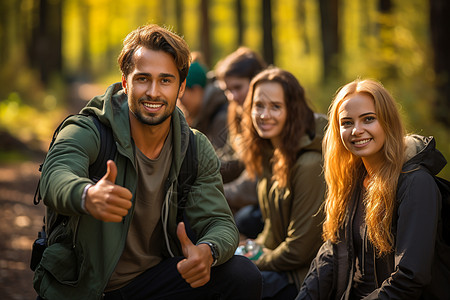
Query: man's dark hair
point(155, 38)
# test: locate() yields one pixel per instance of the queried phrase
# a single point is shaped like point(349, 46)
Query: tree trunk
point(5, 11)
point(85, 65)
point(267, 32)
point(440, 33)
point(385, 6)
point(164, 11)
point(301, 16)
point(385, 32)
point(330, 40)
point(179, 16)
point(45, 51)
point(205, 43)
point(240, 23)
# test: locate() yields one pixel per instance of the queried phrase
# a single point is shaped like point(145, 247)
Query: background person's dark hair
point(155, 38)
point(243, 63)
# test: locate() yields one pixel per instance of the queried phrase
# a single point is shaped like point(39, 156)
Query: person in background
point(282, 141)
point(234, 73)
point(205, 105)
point(122, 240)
point(382, 206)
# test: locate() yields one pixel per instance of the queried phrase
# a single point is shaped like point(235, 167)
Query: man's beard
point(152, 121)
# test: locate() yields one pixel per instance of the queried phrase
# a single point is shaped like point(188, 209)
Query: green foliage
point(28, 124)
point(12, 157)
point(392, 47)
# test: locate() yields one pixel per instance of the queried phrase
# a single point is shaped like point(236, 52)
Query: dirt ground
point(20, 220)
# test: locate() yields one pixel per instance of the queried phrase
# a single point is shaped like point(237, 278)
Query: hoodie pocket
point(64, 262)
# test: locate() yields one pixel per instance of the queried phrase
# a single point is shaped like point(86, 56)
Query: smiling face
point(153, 86)
point(361, 133)
point(269, 111)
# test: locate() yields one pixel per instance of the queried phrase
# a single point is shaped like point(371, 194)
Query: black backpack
point(108, 150)
point(444, 188)
point(440, 268)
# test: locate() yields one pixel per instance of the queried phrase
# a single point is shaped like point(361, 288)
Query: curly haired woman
point(282, 138)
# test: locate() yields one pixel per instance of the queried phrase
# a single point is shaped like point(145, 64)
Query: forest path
point(20, 220)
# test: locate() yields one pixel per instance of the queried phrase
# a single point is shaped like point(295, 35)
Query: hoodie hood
point(111, 108)
point(214, 100)
point(315, 144)
point(421, 151)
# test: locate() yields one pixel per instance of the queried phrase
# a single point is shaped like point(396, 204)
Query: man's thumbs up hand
point(107, 201)
point(196, 267)
point(185, 241)
point(111, 171)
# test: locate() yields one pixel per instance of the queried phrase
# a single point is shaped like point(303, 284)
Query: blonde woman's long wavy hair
point(258, 153)
point(342, 168)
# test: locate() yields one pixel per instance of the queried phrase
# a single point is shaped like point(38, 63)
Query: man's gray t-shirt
point(143, 248)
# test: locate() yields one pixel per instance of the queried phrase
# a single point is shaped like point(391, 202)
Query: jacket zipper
point(375, 270)
point(350, 249)
point(75, 232)
point(280, 205)
point(165, 218)
point(363, 263)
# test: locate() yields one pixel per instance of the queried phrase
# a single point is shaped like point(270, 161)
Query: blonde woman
point(382, 206)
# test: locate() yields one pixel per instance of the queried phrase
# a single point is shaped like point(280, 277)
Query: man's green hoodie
point(83, 252)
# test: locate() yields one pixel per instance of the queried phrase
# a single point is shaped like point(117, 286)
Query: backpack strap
point(37, 195)
point(107, 151)
point(187, 175)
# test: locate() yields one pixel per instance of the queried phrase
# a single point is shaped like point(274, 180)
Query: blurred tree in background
point(56, 53)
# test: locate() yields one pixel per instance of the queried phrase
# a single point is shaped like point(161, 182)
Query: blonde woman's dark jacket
point(292, 221)
point(415, 269)
point(83, 253)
